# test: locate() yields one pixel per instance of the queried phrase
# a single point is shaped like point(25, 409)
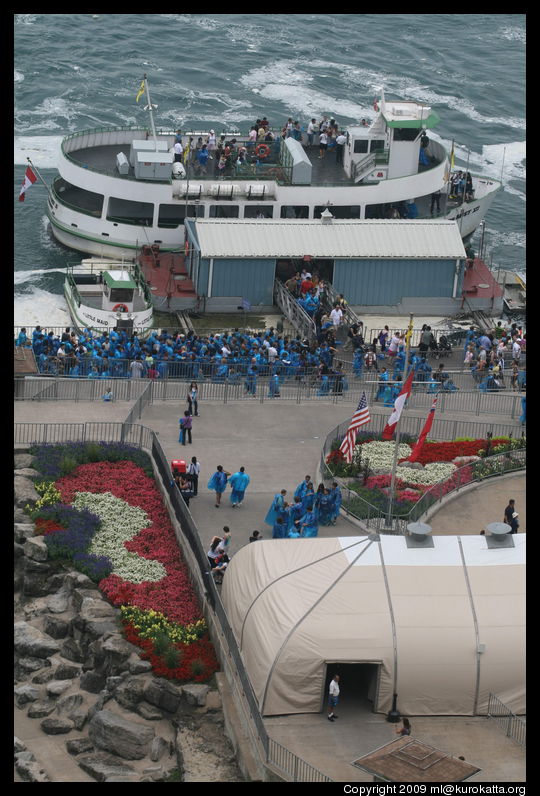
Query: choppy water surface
point(78, 71)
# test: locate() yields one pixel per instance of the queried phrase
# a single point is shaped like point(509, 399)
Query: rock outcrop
point(77, 676)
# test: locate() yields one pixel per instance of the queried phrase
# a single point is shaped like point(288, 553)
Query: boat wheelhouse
point(118, 190)
point(108, 294)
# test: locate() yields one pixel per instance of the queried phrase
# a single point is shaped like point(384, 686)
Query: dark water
point(78, 71)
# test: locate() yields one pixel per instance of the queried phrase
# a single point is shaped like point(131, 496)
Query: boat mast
point(149, 109)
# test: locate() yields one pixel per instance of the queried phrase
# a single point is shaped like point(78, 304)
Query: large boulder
point(127, 739)
point(22, 460)
point(59, 603)
point(25, 694)
point(55, 627)
point(93, 682)
point(56, 688)
point(36, 549)
point(130, 693)
point(76, 746)
point(196, 693)
point(163, 694)
point(24, 491)
point(40, 710)
point(104, 767)
point(56, 725)
point(28, 640)
point(27, 472)
point(23, 531)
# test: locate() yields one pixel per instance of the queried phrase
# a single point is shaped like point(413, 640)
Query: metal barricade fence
point(513, 726)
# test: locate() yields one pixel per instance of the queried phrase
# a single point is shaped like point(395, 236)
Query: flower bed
point(112, 524)
point(444, 467)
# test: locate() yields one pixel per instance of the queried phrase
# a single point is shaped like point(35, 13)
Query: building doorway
point(285, 268)
point(359, 686)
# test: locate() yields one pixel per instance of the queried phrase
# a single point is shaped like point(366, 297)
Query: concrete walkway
point(278, 444)
point(469, 512)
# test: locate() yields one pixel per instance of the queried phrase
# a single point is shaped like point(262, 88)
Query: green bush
point(67, 465)
point(171, 658)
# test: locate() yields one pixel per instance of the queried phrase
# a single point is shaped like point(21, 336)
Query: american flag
point(360, 418)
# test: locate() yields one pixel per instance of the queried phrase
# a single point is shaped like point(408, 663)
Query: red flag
point(360, 418)
point(398, 407)
point(29, 179)
point(415, 453)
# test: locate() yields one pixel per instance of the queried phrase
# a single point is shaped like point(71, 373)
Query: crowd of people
point(301, 517)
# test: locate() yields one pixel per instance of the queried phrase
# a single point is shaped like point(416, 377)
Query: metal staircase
point(293, 312)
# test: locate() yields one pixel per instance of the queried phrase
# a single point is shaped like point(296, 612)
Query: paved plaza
point(278, 444)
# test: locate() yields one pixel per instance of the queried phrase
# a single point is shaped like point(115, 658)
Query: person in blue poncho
point(273, 386)
point(239, 482)
point(295, 513)
point(277, 508)
point(302, 488)
point(309, 523)
point(336, 500)
point(523, 418)
point(358, 362)
point(218, 483)
point(279, 529)
point(324, 507)
point(383, 378)
point(250, 383)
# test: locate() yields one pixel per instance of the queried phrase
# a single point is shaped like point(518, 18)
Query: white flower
point(120, 522)
point(381, 454)
point(431, 474)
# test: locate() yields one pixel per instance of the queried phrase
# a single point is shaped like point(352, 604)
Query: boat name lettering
point(463, 213)
point(95, 319)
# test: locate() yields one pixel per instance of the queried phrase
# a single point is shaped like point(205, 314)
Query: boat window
point(126, 211)
point(377, 144)
point(361, 145)
point(80, 199)
point(338, 211)
point(405, 133)
point(294, 211)
point(259, 211)
point(174, 215)
point(121, 294)
point(224, 211)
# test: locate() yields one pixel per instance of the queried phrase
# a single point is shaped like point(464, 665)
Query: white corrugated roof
point(340, 238)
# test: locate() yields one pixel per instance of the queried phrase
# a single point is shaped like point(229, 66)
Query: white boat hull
point(86, 316)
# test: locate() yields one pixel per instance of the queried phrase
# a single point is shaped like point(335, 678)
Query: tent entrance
point(359, 686)
point(285, 268)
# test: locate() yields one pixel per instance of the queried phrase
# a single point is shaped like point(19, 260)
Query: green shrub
point(67, 465)
point(162, 643)
point(171, 658)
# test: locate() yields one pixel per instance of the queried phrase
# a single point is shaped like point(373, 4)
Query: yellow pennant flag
point(409, 333)
point(452, 157)
point(140, 92)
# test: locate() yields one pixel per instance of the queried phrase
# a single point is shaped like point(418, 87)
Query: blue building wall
point(252, 279)
point(381, 282)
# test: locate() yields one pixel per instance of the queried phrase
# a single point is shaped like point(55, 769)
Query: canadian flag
point(398, 407)
point(29, 179)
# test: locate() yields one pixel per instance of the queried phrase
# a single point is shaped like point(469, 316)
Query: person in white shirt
point(272, 354)
point(193, 470)
point(336, 316)
point(333, 697)
point(394, 345)
point(312, 128)
point(341, 140)
point(323, 145)
point(211, 143)
point(516, 350)
point(178, 150)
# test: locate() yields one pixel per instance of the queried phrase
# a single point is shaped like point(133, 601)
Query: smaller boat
point(108, 294)
point(514, 290)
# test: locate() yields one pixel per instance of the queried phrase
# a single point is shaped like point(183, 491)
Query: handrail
point(514, 726)
point(294, 313)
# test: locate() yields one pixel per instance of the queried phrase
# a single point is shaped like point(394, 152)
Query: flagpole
point(38, 174)
point(464, 190)
point(396, 448)
point(149, 106)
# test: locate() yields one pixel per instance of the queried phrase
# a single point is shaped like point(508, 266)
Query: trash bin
point(178, 466)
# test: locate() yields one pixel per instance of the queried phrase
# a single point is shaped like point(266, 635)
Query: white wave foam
point(513, 34)
point(20, 277)
point(18, 77)
point(40, 307)
point(495, 238)
point(42, 149)
point(25, 19)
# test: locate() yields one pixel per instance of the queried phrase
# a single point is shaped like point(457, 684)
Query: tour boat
point(119, 189)
point(108, 294)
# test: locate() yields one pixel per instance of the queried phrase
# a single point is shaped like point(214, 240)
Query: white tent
point(444, 625)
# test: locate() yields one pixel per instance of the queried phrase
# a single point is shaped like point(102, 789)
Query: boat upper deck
point(325, 171)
